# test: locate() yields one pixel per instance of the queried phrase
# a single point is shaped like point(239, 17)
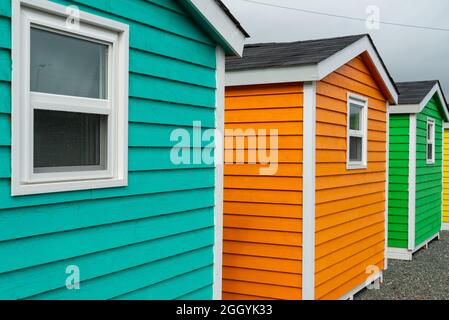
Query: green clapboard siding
point(429, 177)
point(398, 181)
point(153, 239)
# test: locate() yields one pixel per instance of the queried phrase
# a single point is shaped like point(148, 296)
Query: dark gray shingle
point(414, 92)
point(269, 55)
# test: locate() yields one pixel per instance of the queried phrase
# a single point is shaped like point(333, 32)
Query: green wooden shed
point(91, 204)
point(415, 167)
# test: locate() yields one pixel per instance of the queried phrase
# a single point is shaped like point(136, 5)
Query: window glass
point(66, 65)
point(355, 117)
point(355, 149)
point(69, 139)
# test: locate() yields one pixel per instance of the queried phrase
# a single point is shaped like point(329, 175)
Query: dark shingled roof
point(269, 55)
point(232, 17)
point(414, 92)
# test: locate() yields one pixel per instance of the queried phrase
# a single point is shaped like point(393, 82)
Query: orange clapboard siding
point(262, 213)
point(351, 278)
point(262, 209)
point(263, 250)
point(262, 236)
point(285, 170)
point(350, 204)
point(355, 258)
point(262, 276)
point(262, 263)
point(234, 296)
point(344, 253)
point(270, 291)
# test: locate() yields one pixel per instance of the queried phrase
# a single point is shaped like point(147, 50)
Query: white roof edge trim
point(314, 72)
point(417, 108)
point(221, 23)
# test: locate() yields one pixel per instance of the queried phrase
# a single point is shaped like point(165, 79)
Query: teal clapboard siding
point(154, 238)
point(429, 177)
point(398, 180)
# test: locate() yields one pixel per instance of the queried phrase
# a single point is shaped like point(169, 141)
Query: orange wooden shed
point(313, 228)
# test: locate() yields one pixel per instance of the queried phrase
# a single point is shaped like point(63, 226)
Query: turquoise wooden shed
point(415, 167)
point(91, 204)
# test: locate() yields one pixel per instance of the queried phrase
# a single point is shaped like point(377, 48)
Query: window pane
point(355, 117)
point(355, 149)
point(67, 66)
point(68, 139)
point(429, 152)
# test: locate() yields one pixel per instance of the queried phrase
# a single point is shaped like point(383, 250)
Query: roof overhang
point(417, 108)
point(219, 24)
point(317, 72)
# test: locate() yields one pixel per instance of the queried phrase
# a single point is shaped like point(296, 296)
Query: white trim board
point(316, 72)
point(309, 178)
point(412, 183)
point(417, 108)
point(221, 23)
point(445, 226)
point(405, 254)
point(387, 181)
point(219, 173)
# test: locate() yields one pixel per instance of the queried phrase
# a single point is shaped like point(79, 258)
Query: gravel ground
point(424, 278)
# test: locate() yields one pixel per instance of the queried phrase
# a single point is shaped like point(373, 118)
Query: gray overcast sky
point(410, 54)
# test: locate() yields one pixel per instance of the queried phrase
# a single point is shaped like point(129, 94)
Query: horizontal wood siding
point(153, 239)
point(263, 214)
point(350, 204)
point(398, 180)
point(429, 177)
point(446, 177)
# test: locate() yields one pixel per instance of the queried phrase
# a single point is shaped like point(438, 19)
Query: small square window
point(357, 132)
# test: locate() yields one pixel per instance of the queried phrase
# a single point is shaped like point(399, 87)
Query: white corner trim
point(445, 226)
point(219, 173)
point(309, 178)
point(446, 125)
point(314, 72)
point(387, 181)
point(221, 23)
point(417, 108)
point(412, 183)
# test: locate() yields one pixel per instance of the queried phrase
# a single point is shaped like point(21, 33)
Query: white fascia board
point(221, 23)
point(272, 75)
point(417, 108)
point(446, 125)
point(405, 109)
point(314, 72)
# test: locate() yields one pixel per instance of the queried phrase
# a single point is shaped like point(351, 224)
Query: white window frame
point(362, 133)
point(430, 121)
point(55, 17)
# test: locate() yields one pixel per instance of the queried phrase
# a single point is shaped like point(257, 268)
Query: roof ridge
point(253, 45)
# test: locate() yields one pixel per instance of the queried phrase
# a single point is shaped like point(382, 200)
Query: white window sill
point(356, 166)
point(41, 188)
